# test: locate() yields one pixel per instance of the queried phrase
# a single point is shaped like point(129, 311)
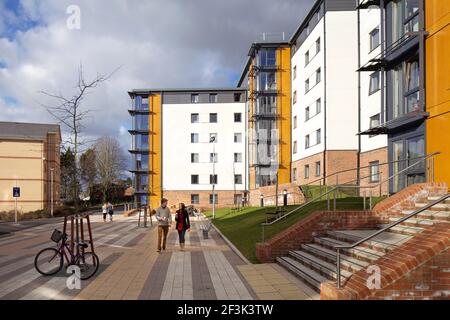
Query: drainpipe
point(358, 159)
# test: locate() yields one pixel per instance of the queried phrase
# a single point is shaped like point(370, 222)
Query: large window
point(141, 122)
point(403, 16)
point(374, 38)
point(411, 21)
point(405, 88)
point(267, 81)
point(142, 161)
point(267, 57)
point(374, 171)
point(374, 82)
point(213, 117)
point(195, 199)
point(267, 105)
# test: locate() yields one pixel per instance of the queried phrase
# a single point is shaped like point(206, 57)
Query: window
point(237, 157)
point(213, 179)
point(318, 106)
point(212, 98)
point(194, 137)
point(307, 141)
point(195, 199)
point(295, 147)
point(295, 122)
point(318, 75)
point(294, 99)
point(307, 171)
point(318, 169)
point(374, 38)
point(238, 179)
point(267, 57)
point(215, 197)
point(194, 158)
point(374, 171)
point(213, 157)
point(318, 136)
point(237, 97)
point(375, 121)
point(194, 178)
point(267, 81)
point(306, 85)
point(194, 117)
point(306, 113)
point(294, 174)
point(411, 23)
point(404, 85)
point(238, 137)
point(374, 82)
point(306, 58)
point(238, 117)
point(213, 137)
point(194, 98)
point(317, 45)
point(213, 117)
point(294, 72)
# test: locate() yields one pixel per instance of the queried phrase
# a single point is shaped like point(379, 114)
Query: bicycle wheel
point(48, 261)
point(88, 264)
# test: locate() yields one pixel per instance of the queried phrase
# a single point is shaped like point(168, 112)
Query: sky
point(154, 43)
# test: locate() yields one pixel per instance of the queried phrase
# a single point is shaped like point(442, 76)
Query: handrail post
point(338, 268)
point(364, 201)
point(334, 200)
point(328, 201)
point(263, 240)
point(370, 199)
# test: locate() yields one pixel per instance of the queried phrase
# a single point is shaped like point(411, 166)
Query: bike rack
point(77, 230)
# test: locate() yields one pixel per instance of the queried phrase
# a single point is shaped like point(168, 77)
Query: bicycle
point(50, 261)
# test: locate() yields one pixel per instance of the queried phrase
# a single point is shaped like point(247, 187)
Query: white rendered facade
point(177, 146)
point(335, 96)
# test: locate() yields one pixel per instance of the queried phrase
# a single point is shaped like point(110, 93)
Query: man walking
point(164, 221)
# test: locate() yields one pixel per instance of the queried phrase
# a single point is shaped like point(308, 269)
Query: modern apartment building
point(185, 141)
point(324, 60)
point(373, 155)
point(29, 159)
point(401, 64)
point(266, 76)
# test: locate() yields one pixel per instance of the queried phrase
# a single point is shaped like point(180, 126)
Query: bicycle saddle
point(83, 244)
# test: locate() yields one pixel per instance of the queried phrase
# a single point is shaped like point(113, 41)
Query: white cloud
point(157, 43)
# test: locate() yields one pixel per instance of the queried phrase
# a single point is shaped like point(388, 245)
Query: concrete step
point(308, 275)
point(359, 252)
point(414, 222)
point(437, 207)
point(348, 263)
point(443, 216)
point(321, 266)
point(434, 198)
point(383, 242)
point(404, 230)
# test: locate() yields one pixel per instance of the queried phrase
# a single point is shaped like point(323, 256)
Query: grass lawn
point(243, 228)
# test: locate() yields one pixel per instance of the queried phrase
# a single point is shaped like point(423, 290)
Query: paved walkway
point(132, 269)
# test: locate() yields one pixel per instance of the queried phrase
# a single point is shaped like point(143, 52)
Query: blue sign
point(16, 192)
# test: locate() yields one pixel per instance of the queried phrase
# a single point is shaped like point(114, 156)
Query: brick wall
point(295, 195)
point(417, 269)
point(315, 224)
point(366, 158)
point(300, 166)
point(225, 198)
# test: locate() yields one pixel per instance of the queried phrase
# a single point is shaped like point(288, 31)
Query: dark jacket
point(186, 223)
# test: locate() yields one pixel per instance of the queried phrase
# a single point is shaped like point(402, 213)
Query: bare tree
point(109, 161)
point(70, 113)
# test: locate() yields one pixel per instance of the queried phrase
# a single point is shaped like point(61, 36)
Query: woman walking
point(182, 224)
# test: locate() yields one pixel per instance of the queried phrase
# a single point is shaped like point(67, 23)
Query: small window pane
point(238, 137)
point(213, 98)
point(194, 137)
point(194, 117)
point(195, 199)
point(238, 117)
point(194, 98)
point(213, 117)
point(194, 179)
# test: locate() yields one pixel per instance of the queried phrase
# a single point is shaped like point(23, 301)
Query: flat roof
point(217, 89)
point(27, 131)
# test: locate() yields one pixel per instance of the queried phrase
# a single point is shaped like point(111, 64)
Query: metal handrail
point(351, 246)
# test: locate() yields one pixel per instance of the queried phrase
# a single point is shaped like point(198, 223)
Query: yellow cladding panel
point(155, 177)
point(438, 85)
point(284, 111)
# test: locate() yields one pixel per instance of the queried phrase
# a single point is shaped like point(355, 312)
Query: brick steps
point(414, 222)
point(436, 207)
point(363, 253)
point(441, 216)
point(404, 230)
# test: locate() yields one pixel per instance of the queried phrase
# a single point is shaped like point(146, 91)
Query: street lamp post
point(285, 197)
point(51, 190)
point(213, 141)
point(261, 200)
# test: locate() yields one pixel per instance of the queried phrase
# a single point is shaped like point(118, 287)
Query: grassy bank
point(243, 228)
